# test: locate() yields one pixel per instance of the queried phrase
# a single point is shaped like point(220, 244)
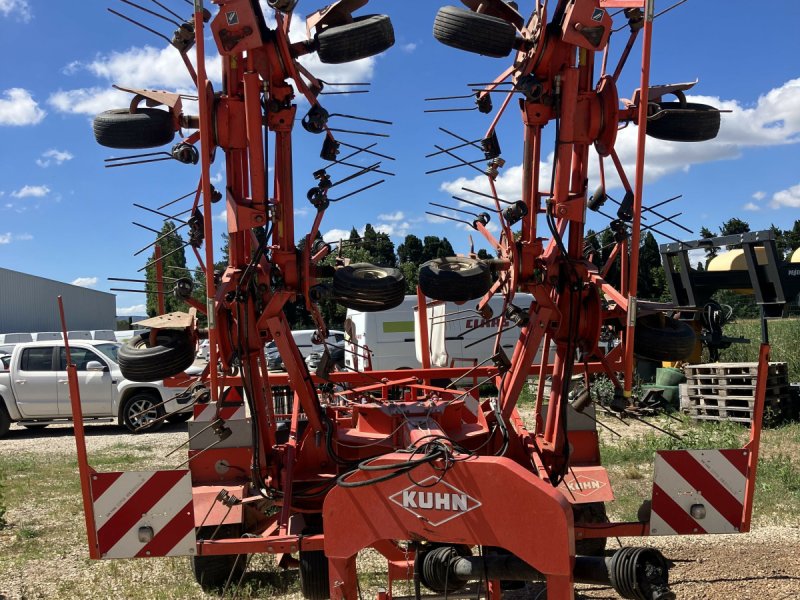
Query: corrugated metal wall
point(29, 303)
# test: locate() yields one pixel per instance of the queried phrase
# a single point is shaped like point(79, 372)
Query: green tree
point(174, 265)
point(380, 246)
point(711, 251)
point(651, 284)
point(410, 251)
point(734, 226)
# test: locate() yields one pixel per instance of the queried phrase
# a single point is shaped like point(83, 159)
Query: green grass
point(783, 337)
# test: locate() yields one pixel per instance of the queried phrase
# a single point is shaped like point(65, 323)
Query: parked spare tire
point(455, 278)
point(215, 571)
point(369, 288)
point(366, 36)
point(474, 32)
point(146, 128)
point(172, 353)
point(662, 338)
point(694, 122)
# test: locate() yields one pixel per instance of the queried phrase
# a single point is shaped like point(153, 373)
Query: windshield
point(109, 350)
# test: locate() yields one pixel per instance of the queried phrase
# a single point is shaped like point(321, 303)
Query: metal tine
point(166, 235)
point(161, 214)
point(339, 83)
point(344, 93)
point(461, 210)
point(347, 164)
point(658, 214)
point(150, 264)
point(351, 155)
point(177, 200)
point(139, 280)
point(363, 171)
point(477, 193)
point(369, 120)
point(156, 231)
point(159, 405)
point(663, 202)
point(367, 150)
point(368, 133)
point(150, 12)
point(444, 110)
point(179, 268)
point(462, 139)
point(162, 417)
point(206, 428)
point(166, 156)
point(452, 148)
point(511, 83)
point(663, 12)
point(437, 99)
point(601, 424)
point(358, 191)
point(446, 217)
point(656, 427)
point(217, 443)
point(145, 27)
point(495, 334)
point(464, 163)
point(444, 320)
point(474, 203)
point(140, 291)
point(174, 14)
point(480, 364)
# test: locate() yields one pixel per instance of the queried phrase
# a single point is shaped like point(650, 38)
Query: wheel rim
point(369, 274)
point(142, 413)
point(461, 265)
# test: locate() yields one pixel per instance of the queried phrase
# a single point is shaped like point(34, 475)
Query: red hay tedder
point(457, 493)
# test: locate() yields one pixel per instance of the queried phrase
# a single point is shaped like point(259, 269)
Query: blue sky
point(65, 217)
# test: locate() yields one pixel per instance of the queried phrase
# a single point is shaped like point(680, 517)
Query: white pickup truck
point(34, 391)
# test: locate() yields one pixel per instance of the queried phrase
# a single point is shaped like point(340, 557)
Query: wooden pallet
point(733, 369)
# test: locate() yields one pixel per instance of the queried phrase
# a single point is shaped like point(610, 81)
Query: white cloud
point(789, 197)
point(398, 216)
point(86, 282)
point(18, 9)
point(394, 229)
point(751, 206)
point(7, 238)
point(135, 310)
point(222, 217)
point(88, 101)
point(408, 48)
point(18, 108)
point(215, 179)
point(31, 191)
point(302, 211)
point(51, 156)
point(760, 196)
point(335, 235)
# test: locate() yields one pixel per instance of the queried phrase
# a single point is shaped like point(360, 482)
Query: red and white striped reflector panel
point(698, 491)
point(144, 513)
point(208, 412)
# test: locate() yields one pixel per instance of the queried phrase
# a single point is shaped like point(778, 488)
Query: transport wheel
point(662, 338)
point(146, 128)
point(699, 125)
point(365, 36)
point(179, 418)
point(314, 583)
point(213, 572)
point(594, 512)
point(172, 354)
point(132, 415)
point(365, 287)
point(455, 278)
point(5, 420)
point(474, 32)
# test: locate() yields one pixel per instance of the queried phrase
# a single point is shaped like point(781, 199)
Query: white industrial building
point(29, 303)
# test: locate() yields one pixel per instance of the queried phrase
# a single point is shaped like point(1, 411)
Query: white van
point(15, 338)
point(389, 335)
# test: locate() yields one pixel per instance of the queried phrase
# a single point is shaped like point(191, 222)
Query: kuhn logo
point(584, 486)
point(435, 502)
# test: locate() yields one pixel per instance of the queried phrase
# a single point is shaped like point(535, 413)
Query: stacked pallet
point(726, 392)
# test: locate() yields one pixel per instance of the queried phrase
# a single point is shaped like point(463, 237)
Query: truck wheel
point(474, 32)
point(699, 125)
point(661, 338)
point(314, 582)
point(213, 572)
point(138, 410)
point(369, 288)
point(366, 36)
point(146, 128)
point(594, 512)
point(5, 420)
point(172, 354)
point(179, 418)
point(454, 278)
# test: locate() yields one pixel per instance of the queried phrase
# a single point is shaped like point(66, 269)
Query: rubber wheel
point(700, 125)
point(136, 404)
point(172, 354)
point(366, 36)
point(594, 512)
point(368, 288)
point(146, 128)
point(212, 572)
point(35, 426)
point(5, 420)
point(179, 418)
point(474, 32)
point(314, 582)
point(455, 278)
point(663, 338)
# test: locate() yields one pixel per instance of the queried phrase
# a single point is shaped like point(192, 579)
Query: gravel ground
point(763, 565)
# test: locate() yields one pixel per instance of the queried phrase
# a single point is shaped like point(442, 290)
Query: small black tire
point(5, 420)
point(366, 36)
point(474, 32)
point(593, 512)
point(146, 128)
point(34, 426)
point(213, 572)
point(179, 418)
point(661, 338)
point(369, 288)
point(699, 125)
point(455, 278)
point(133, 417)
point(314, 575)
point(172, 354)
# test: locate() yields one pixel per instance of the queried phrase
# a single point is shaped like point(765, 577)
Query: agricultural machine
point(457, 492)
